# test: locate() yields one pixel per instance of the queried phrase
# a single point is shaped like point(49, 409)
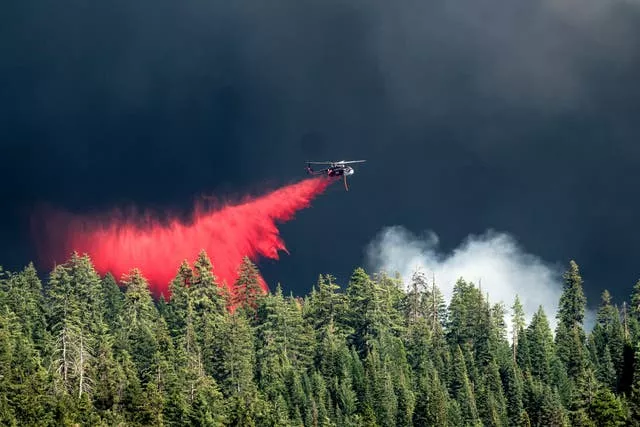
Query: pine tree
point(570, 336)
point(368, 318)
point(247, 288)
point(283, 341)
point(551, 411)
point(498, 314)
point(608, 342)
point(469, 319)
point(140, 316)
point(24, 394)
point(584, 396)
point(431, 400)
point(513, 393)
point(113, 299)
point(325, 305)
point(204, 288)
point(415, 300)
point(518, 324)
point(462, 391)
point(65, 324)
point(176, 312)
point(606, 410)
point(436, 307)
point(22, 294)
point(391, 297)
point(237, 357)
point(541, 346)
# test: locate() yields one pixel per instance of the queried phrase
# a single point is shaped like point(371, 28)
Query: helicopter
point(335, 169)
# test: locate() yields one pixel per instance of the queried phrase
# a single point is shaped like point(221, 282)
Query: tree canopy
point(78, 348)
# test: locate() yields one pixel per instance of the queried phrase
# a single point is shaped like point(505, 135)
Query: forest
point(79, 348)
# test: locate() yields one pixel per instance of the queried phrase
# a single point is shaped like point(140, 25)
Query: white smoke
point(492, 260)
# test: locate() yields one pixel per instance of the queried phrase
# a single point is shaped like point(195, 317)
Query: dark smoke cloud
point(518, 116)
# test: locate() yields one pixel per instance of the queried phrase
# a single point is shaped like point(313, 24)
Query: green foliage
point(570, 335)
point(541, 348)
point(85, 350)
point(247, 287)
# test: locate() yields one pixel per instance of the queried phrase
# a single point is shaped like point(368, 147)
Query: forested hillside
point(79, 349)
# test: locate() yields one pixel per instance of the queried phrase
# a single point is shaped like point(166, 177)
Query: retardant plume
point(117, 243)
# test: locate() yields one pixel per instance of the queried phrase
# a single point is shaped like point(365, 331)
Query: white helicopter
point(335, 169)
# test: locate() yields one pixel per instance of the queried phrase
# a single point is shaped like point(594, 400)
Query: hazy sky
point(521, 117)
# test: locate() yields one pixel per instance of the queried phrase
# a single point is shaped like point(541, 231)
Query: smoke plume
point(117, 243)
point(492, 260)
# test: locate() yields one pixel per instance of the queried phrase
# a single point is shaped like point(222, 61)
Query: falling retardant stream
point(157, 248)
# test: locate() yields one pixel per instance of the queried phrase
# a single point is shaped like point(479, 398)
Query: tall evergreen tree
point(436, 306)
point(367, 317)
point(415, 299)
point(541, 346)
point(140, 316)
point(22, 294)
point(247, 288)
point(570, 336)
point(608, 342)
point(517, 324)
point(24, 388)
point(113, 300)
point(462, 391)
point(65, 323)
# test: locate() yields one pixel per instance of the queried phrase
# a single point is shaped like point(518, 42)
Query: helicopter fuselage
point(340, 171)
point(335, 169)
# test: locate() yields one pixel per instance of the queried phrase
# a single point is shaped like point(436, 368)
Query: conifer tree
point(22, 294)
point(462, 391)
point(140, 316)
point(518, 324)
point(513, 393)
point(367, 317)
point(550, 411)
point(247, 288)
point(113, 300)
point(204, 287)
point(608, 342)
point(499, 325)
point(467, 314)
point(431, 400)
point(391, 298)
point(570, 336)
point(176, 313)
point(541, 346)
point(65, 324)
point(415, 304)
point(325, 305)
point(437, 308)
point(607, 410)
point(24, 388)
point(237, 357)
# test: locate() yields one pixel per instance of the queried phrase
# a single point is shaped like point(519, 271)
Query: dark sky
point(518, 116)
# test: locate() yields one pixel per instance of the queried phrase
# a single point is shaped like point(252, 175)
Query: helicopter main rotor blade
point(350, 161)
